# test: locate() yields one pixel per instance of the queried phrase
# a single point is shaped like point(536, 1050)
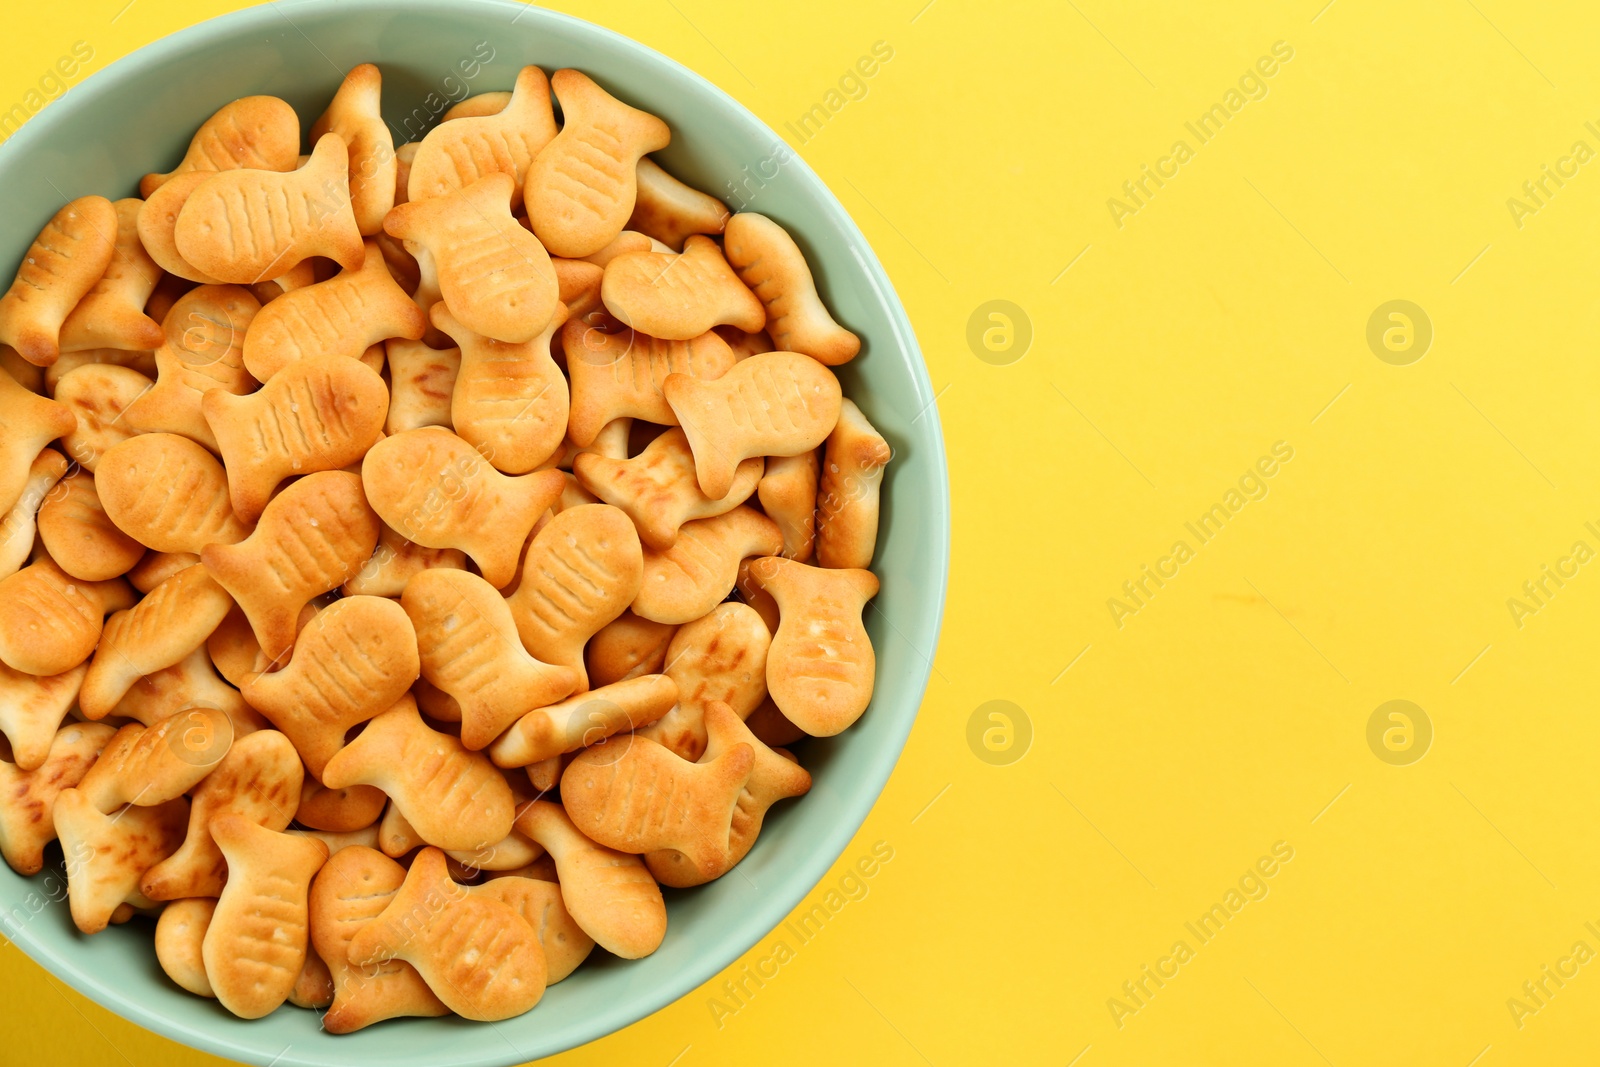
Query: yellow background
point(1231, 711)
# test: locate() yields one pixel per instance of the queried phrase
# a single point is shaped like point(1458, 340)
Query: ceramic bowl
point(137, 115)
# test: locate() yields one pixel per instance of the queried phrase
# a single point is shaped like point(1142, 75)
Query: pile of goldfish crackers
point(414, 557)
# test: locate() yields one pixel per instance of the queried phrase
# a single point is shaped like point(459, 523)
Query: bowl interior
point(137, 115)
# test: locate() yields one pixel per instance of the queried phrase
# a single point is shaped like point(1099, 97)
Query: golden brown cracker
point(106, 855)
point(158, 225)
point(246, 226)
point(170, 622)
point(768, 261)
point(469, 649)
point(745, 345)
point(79, 534)
point(259, 132)
point(847, 498)
point(422, 381)
point(49, 621)
point(583, 720)
point(255, 947)
point(609, 894)
point(774, 404)
point(28, 422)
point(352, 889)
point(788, 494)
point(169, 494)
point(204, 350)
point(180, 932)
point(721, 656)
point(356, 115)
point(699, 570)
point(311, 538)
point(191, 682)
point(658, 489)
point(486, 140)
point(28, 796)
point(32, 709)
point(112, 313)
point(343, 316)
point(463, 502)
point(352, 661)
point(477, 954)
point(510, 401)
point(338, 810)
point(495, 276)
point(772, 727)
point(775, 776)
point(19, 526)
point(578, 285)
point(454, 797)
point(143, 362)
point(62, 265)
point(582, 186)
point(821, 667)
point(540, 905)
point(618, 373)
point(314, 988)
point(259, 780)
point(627, 647)
point(395, 562)
point(636, 797)
point(479, 104)
point(669, 211)
point(317, 414)
point(149, 765)
point(99, 396)
point(677, 296)
point(581, 571)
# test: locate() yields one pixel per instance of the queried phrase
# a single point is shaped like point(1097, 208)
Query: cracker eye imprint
point(452, 531)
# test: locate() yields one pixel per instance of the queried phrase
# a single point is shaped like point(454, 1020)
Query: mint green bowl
point(137, 116)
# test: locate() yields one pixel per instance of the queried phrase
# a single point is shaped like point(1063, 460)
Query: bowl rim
point(764, 915)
